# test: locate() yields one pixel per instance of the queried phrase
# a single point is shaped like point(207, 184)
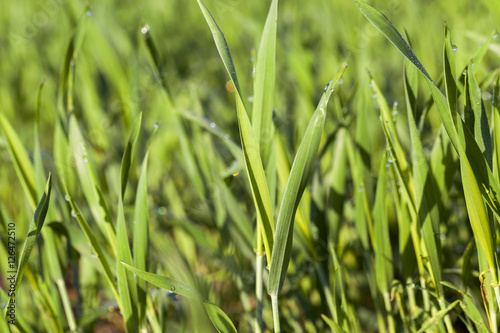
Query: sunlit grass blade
point(126, 281)
point(382, 246)
point(437, 317)
point(90, 184)
point(333, 325)
point(253, 161)
point(24, 168)
point(34, 231)
point(141, 235)
point(96, 247)
point(262, 112)
point(219, 319)
point(302, 168)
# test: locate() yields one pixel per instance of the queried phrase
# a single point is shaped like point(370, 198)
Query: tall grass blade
point(302, 169)
point(253, 161)
point(219, 319)
point(262, 112)
point(34, 231)
point(141, 234)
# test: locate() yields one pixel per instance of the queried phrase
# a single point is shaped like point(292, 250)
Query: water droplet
point(380, 118)
point(390, 160)
point(157, 125)
point(387, 165)
point(495, 36)
point(89, 13)
point(395, 112)
point(411, 285)
point(361, 189)
point(73, 213)
point(472, 64)
point(465, 72)
point(340, 81)
point(172, 288)
point(226, 136)
point(212, 125)
point(398, 183)
point(388, 148)
point(442, 237)
point(145, 29)
point(250, 99)
point(370, 85)
point(94, 255)
point(85, 160)
point(374, 96)
point(454, 48)
point(327, 86)
point(66, 197)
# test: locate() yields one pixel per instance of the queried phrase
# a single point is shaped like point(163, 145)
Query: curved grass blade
point(333, 325)
point(302, 169)
point(437, 317)
point(128, 155)
point(219, 319)
point(251, 152)
point(34, 231)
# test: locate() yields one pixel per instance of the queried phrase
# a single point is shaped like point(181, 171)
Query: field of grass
point(250, 166)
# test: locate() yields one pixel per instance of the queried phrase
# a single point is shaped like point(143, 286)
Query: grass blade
point(262, 112)
point(219, 319)
point(302, 169)
point(34, 231)
point(253, 161)
point(141, 234)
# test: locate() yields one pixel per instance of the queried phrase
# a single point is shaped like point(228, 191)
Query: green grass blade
point(437, 317)
point(450, 71)
point(24, 168)
point(34, 231)
point(426, 204)
point(71, 53)
point(126, 281)
point(476, 113)
point(302, 168)
point(251, 152)
point(128, 155)
point(90, 184)
point(141, 234)
point(96, 246)
point(219, 319)
point(333, 325)
point(262, 112)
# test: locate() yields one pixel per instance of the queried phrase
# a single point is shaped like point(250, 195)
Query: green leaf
point(141, 233)
point(333, 325)
point(219, 319)
point(302, 169)
point(90, 184)
point(128, 155)
point(34, 231)
point(24, 168)
point(251, 152)
point(262, 112)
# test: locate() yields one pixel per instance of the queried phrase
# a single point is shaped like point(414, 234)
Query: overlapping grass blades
point(255, 169)
point(219, 319)
point(477, 177)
